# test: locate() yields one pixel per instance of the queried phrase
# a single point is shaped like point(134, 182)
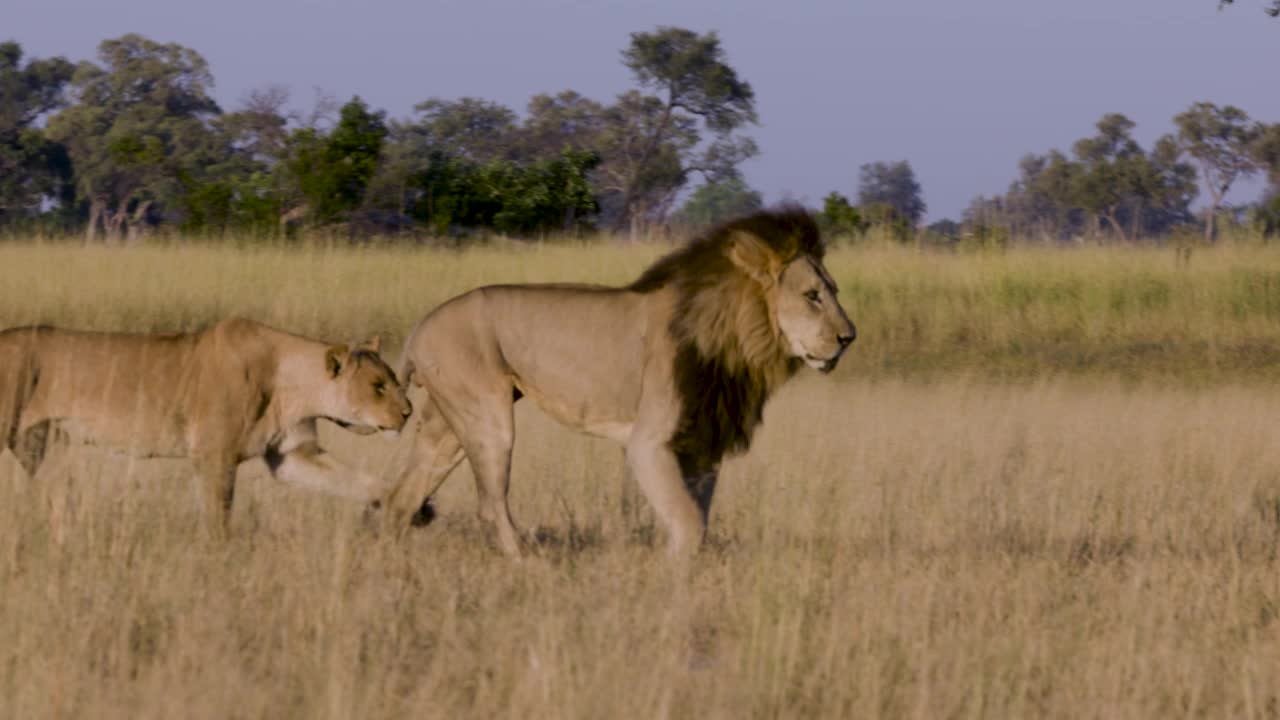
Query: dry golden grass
point(1125, 311)
point(937, 545)
point(892, 548)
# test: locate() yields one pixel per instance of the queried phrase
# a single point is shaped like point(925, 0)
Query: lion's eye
point(380, 388)
point(812, 296)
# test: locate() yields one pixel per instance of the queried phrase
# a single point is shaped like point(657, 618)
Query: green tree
point(944, 231)
point(541, 196)
point(138, 126)
point(394, 189)
point(1171, 186)
point(1112, 172)
point(1273, 11)
point(636, 184)
point(1040, 203)
point(715, 202)
point(891, 186)
point(468, 128)
point(242, 188)
point(556, 122)
point(1266, 152)
point(839, 217)
point(515, 198)
point(33, 169)
point(1111, 180)
point(333, 171)
point(652, 143)
point(1222, 142)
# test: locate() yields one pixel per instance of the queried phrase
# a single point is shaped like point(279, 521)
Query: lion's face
point(367, 397)
point(813, 324)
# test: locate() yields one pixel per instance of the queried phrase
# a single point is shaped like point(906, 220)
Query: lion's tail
point(406, 369)
point(407, 366)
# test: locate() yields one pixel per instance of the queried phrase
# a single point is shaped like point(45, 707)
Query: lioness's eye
point(380, 388)
point(812, 296)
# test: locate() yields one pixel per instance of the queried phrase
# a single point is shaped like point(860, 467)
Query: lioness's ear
point(755, 258)
point(373, 344)
point(333, 359)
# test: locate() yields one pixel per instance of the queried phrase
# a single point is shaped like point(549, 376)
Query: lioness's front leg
point(32, 445)
point(299, 460)
point(217, 473)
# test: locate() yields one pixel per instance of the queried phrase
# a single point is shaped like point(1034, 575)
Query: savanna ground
point(1044, 483)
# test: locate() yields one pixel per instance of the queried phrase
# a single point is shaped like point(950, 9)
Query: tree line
point(1106, 187)
point(1108, 184)
point(134, 142)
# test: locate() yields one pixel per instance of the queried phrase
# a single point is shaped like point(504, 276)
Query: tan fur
point(676, 366)
point(235, 391)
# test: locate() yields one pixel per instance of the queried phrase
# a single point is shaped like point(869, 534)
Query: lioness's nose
point(846, 340)
point(407, 411)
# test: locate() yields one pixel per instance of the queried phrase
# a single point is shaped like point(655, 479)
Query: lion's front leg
point(702, 486)
point(658, 472)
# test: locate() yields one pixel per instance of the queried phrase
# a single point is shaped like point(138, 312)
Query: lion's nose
point(846, 340)
point(407, 411)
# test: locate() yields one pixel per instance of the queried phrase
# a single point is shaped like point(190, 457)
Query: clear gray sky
point(960, 89)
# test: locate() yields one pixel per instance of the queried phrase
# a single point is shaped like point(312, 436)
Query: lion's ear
point(373, 344)
point(754, 257)
point(333, 359)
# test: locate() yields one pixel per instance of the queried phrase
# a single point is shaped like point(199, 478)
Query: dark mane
point(789, 230)
point(723, 391)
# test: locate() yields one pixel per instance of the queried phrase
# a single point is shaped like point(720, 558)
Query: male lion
point(232, 392)
point(676, 366)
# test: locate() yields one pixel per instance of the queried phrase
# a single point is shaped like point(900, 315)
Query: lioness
point(235, 391)
point(676, 366)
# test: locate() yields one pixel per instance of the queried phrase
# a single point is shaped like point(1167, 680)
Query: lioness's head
point(799, 293)
point(366, 395)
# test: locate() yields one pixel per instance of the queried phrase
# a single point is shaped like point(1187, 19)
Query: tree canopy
point(1273, 9)
point(715, 202)
point(1222, 142)
point(138, 129)
point(33, 168)
point(891, 196)
point(132, 142)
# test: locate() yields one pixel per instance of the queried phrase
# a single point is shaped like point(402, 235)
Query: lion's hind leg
point(485, 424)
point(436, 452)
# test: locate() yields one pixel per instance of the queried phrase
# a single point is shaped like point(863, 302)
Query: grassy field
point(1025, 313)
point(1044, 484)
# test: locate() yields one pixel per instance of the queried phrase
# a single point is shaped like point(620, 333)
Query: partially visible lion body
point(570, 379)
point(235, 391)
point(676, 366)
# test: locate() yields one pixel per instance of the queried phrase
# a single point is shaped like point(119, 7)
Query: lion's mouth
point(357, 428)
point(363, 429)
point(823, 365)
